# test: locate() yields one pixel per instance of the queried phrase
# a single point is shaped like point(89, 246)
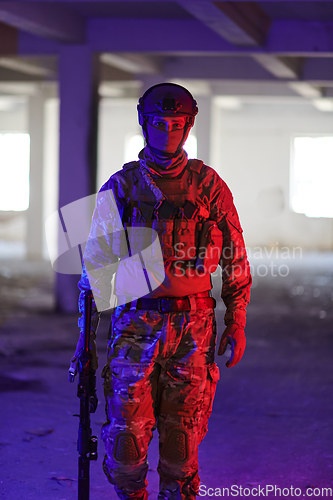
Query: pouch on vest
point(164, 229)
point(185, 239)
point(210, 248)
point(141, 237)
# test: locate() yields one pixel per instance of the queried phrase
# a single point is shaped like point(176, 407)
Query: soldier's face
point(169, 123)
point(166, 132)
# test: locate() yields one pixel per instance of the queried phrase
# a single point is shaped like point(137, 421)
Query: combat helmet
point(167, 99)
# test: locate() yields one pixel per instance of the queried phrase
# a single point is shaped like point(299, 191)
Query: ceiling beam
point(286, 38)
point(132, 63)
point(148, 35)
point(251, 88)
point(300, 38)
point(304, 89)
point(109, 74)
point(233, 68)
point(8, 39)
point(318, 70)
point(281, 67)
point(31, 45)
point(26, 67)
point(10, 75)
point(248, 17)
point(241, 23)
point(45, 20)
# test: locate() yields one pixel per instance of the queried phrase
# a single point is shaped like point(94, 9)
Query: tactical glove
point(235, 336)
point(95, 317)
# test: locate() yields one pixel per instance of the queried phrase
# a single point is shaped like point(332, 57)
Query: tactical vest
point(180, 238)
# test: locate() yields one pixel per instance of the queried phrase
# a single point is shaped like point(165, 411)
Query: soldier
point(160, 369)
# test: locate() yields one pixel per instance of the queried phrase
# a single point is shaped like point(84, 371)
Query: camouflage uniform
point(160, 369)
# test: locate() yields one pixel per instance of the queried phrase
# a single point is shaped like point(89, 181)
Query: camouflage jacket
point(215, 201)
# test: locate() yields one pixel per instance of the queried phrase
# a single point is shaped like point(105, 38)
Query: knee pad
point(126, 449)
point(128, 484)
point(176, 446)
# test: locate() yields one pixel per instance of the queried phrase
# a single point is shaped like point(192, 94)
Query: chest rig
point(177, 190)
point(178, 222)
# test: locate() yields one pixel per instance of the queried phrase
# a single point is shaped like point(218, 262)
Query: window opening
point(312, 176)
point(14, 171)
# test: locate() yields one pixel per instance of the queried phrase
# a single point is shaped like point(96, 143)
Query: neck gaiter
point(162, 165)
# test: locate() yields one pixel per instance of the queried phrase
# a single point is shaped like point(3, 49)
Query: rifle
point(86, 392)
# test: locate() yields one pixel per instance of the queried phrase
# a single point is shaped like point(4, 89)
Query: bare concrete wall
point(14, 118)
point(117, 123)
point(253, 149)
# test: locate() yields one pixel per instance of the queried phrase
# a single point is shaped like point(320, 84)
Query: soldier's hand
point(235, 336)
point(71, 374)
point(72, 371)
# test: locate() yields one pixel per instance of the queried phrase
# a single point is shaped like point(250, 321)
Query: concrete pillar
point(203, 128)
point(51, 168)
point(78, 79)
point(35, 223)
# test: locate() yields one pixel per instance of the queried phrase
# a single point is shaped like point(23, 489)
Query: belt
point(174, 304)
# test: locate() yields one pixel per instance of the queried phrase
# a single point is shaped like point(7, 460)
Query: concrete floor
point(272, 419)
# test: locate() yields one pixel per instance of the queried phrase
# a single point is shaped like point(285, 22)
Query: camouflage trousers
point(160, 373)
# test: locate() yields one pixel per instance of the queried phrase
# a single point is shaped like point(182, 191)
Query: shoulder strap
point(163, 207)
point(131, 164)
point(195, 165)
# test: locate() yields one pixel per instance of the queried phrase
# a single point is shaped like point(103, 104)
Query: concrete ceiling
point(270, 48)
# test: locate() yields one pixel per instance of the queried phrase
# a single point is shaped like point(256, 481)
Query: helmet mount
point(169, 103)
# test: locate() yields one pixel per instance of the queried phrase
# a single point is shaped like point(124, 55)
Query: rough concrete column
point(35, 226)
point(203, 128)
point(78, 79)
